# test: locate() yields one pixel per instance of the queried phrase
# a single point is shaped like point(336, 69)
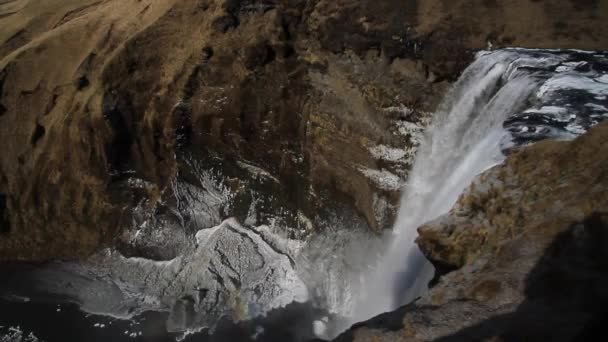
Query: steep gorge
point(224, 158)
point(99, 92)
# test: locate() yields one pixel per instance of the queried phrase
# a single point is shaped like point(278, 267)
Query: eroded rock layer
point(326, 96)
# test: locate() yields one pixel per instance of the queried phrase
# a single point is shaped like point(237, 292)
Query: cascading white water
point(465, 138)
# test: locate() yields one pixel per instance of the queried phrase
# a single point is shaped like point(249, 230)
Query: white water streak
point(464, 140)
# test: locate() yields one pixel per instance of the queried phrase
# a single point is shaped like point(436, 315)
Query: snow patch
point(16, 334)
point(382, 178)
point(382, 209)
point(319, 328)
point(596, 107)
point(576, 129)
point(603, 79)
point(139, 183)
point(401, 109)
point(413, 130)
point(387, 153)
point(257, 171)
point(203, 236)
point(561, 82)
point(548, 110)
point(569, 66)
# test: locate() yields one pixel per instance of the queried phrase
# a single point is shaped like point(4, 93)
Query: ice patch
point(139, 183)
point(239, 269)
point(547, 110)
point(382, 178)
point(204, 235)
point(257, 171)
point(258, 331)
point(203, 203)
point(143, 262)
point(319, 328)
point(561, 81)
point(16, 298)
point(569, 66)
point(401, 109)
point(576, 129)
point(387, 153)
point(603, 79)
point(596, 107)
point(16, 334)
point(413, 130)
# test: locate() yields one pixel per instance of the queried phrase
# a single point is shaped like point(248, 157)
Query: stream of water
point(504, 99)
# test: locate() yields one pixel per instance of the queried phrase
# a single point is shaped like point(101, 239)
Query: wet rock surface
point(520, 255)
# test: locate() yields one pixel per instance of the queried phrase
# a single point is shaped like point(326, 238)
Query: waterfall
point(231, 270)
point(467, 136)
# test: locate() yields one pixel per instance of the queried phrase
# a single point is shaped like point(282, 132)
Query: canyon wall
point(104, 102)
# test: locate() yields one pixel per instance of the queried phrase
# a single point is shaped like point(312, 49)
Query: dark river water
point(52, 321)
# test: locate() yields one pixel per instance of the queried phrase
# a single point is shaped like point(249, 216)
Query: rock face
point(522, 253)
point(101, 100)
point(232, 272)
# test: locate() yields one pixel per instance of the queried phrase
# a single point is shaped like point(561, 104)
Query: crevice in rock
point(17, 40)
point(82, 82)
point(51, 105)
point(118, 150)
point(203, 5)
point(3, 108)
point(214, 272)
point(248, 128)
point(207, 53)
point(183, 131)
point(76, 13)
point(5, 226)
point(38, 134)
point(225, 261)
point(143, 11)
point(286, 34)
point(441, 269)
point(157, 137)
point(225, 23)
point(234, 7)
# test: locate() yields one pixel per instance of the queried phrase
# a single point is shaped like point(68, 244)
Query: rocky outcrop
point(101, 100)
point(522, 254)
